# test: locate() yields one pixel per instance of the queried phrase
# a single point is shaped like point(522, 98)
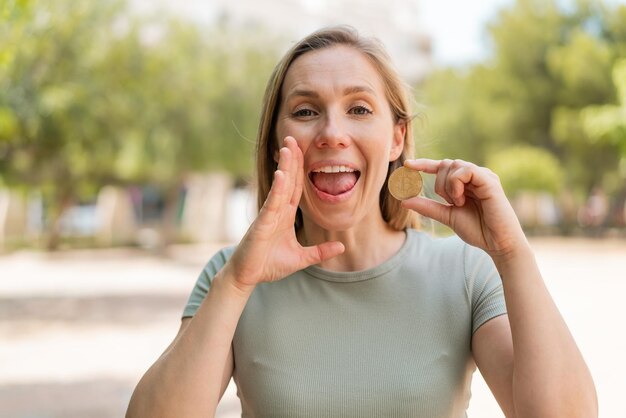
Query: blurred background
point(127, 134)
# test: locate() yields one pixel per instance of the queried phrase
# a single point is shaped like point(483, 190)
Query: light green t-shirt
point(391, 341)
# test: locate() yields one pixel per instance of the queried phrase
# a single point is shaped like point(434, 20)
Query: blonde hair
point(395, 90)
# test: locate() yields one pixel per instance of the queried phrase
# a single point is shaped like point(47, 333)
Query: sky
point(460, 37)
point(457, 28)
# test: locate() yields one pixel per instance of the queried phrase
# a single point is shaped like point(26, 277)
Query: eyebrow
point(315, 95)
point(358, 89)
point(303, 93)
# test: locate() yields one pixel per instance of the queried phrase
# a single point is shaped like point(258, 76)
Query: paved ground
point(78, 329)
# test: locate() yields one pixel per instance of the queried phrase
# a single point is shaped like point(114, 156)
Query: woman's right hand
point(270, 250)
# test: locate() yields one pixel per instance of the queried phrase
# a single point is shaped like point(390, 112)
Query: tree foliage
point(608, 122)
point(525, 167)
point(550, 60)
point(91, 94)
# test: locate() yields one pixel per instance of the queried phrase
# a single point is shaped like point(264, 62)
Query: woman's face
point(333, 103)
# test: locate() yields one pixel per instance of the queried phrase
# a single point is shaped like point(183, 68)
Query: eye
point(360, 110)
point(303, 113)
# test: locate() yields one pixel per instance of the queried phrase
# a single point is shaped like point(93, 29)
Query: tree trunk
point(170, 214)
point(59, 205)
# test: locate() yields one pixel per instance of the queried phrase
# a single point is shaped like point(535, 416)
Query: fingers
point(430, 208)
point(297, 170)
point(453, 177)
point(284, 159)
point(318, 253)
point(423, 164)
point(288, 178)
point(291, 163)
point(459, 178)
point(441, 180)
point(277, 191)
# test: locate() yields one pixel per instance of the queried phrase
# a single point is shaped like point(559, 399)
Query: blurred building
point(395, 22)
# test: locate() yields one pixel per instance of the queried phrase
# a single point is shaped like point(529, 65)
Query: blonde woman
point(334, 304)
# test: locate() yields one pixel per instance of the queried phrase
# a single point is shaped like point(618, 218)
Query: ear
point(397, 145)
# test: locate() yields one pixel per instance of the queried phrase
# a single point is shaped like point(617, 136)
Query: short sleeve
point(205, 279)
point(484, 286)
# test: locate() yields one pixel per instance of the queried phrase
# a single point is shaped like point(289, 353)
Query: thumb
point(429, 208)
point(318, 253)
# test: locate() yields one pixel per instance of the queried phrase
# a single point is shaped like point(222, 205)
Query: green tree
point(91, 95)
point(606, 124)
point(200, 110)
point(52, 134)
point(549, 60)
point(528, 168)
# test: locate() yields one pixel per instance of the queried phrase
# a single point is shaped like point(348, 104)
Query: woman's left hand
point(477, 210)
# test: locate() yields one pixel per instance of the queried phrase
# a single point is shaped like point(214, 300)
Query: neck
point(366, 246)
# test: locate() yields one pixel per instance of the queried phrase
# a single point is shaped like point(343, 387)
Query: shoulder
point(222, 255)
point(205, 280)
point(450, 258)
point(216, 263)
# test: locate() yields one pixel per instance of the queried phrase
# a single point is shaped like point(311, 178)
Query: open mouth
point(334, 180)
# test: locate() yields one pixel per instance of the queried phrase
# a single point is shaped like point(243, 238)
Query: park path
point(79, 328)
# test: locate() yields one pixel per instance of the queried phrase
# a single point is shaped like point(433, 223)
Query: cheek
point(380, 147)
point(284, 129)
point(281, 131)
point(301, 140)
point(302, 136)
point(303, 143)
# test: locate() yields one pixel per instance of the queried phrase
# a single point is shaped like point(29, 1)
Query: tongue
point(334, 183)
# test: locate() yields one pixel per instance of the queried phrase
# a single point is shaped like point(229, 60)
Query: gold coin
point(405, 183)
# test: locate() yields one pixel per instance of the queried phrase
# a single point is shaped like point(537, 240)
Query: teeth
point(334, 169)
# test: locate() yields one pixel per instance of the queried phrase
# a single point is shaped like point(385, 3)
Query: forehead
point(336, 68)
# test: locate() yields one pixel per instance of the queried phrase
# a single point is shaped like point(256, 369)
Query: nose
point(333, 133)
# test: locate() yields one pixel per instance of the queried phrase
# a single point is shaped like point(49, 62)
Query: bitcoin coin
point(405, 183)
